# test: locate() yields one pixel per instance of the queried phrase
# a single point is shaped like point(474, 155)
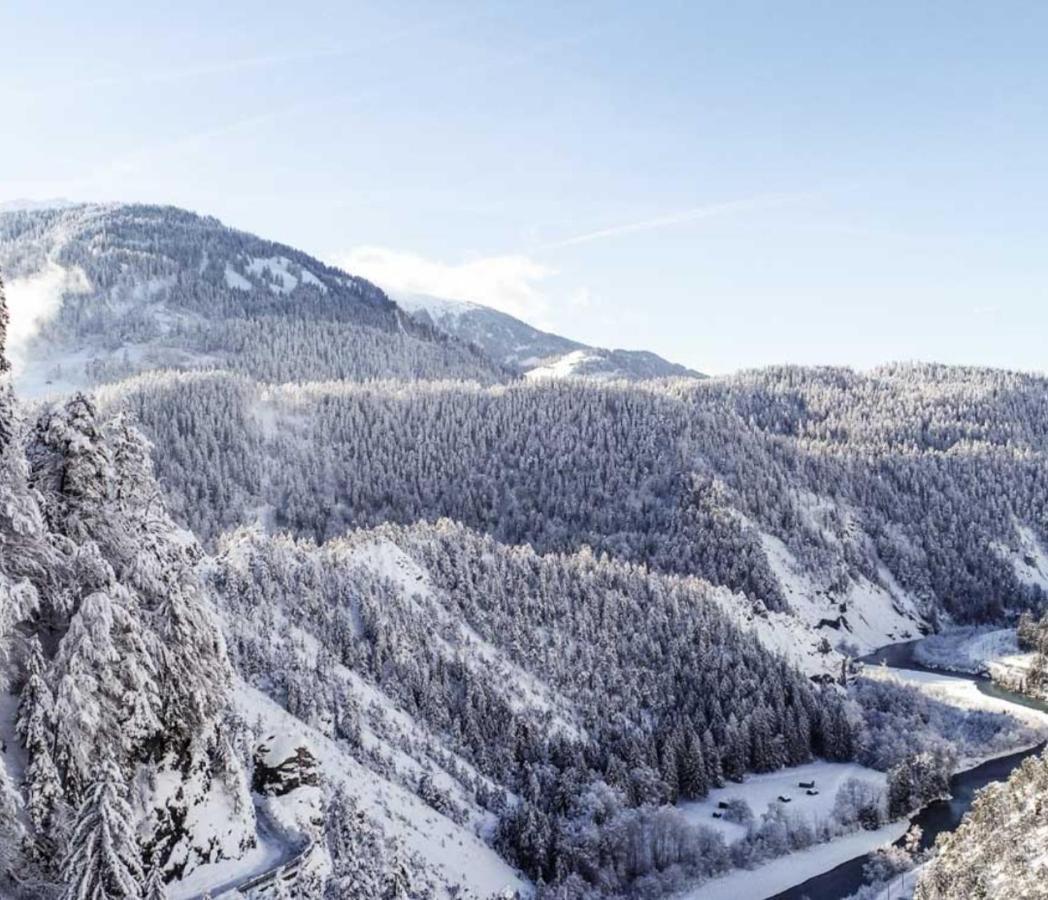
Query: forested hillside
point(154, 287)
point(525, 619)
point(540, 682)
point(114, 679)
point(908, 482)
point(998, 853)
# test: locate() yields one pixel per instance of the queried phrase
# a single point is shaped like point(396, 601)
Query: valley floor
point(994, 653)
point(786, 871)
point(761, 791)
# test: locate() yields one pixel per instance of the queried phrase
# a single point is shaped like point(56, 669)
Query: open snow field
point(780, 874)
point(760, 791)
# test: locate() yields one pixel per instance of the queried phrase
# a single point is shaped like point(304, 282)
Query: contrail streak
point(682, 217)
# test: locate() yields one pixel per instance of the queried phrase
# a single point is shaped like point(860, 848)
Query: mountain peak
point(530, 351)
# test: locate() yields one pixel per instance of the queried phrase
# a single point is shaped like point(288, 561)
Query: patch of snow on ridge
point(564, 366)
point(237, 281)
point(440, 308)
point(1030, 561)
point(276, 272)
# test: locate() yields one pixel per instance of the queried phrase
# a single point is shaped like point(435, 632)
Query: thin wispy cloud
point(237, 65)
point(510, 283)
point(143, 158)
point(670, 220)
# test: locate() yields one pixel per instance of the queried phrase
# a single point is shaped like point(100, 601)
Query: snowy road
point(272, 854)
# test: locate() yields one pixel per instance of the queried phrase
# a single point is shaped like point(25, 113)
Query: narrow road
point(291, 857)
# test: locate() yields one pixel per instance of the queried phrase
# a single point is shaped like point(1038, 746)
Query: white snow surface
point(441, 308)
point(279, 267)
point(874, 614)
point(761, 791)
point(267, 854)
point(784, 872)
point(237, 281)
point(563, 366)
point(455, 855)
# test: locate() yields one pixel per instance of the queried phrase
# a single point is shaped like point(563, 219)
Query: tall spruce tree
point(104, 860)
point(154, 887)
point(36, 730)
point(5, 321)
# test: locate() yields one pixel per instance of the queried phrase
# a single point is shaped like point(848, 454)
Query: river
point(938, 817)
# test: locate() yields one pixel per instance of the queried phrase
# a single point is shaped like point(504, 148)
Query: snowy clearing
point(760, 791)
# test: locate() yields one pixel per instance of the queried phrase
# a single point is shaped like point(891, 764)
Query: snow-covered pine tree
point(5, 321)
point(35, 727)
point(397, 880)
point(106, 697)
point(154, 887)
point(6, 398)
point(104, 860)
point(72, 469)
point(11, 829)
point(355, 847)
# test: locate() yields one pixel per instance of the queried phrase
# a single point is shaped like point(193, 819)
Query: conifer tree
point(7, 405)
point(398, 876)
point(104, 860)
point(72, 468)
point(154, 887)
point(36, 728)
point(106, 694)
point(357, 855)
point(5, 321)
point(11, 830)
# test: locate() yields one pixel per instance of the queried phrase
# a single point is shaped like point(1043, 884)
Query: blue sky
point(728, 184)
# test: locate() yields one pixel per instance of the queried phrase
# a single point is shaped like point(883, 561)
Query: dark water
point(938, 817)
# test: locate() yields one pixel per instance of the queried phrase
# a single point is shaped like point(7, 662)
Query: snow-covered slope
point(536, 353)
point(98, 293)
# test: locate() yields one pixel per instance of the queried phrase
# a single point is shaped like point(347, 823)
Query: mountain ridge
point(531, 351)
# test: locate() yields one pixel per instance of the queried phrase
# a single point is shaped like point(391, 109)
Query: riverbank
point(833, 869)
point(990, 652)
point(967, 693)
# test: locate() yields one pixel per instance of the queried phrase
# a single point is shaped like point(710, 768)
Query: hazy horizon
point(729, 188)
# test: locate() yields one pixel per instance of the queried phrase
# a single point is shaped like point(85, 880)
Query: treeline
point(681, 477)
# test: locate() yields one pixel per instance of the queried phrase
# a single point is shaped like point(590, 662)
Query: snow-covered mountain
point(535, 353)
point(446, 631)
point(99, 293)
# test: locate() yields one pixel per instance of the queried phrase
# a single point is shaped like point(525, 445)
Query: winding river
point(938, 817)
